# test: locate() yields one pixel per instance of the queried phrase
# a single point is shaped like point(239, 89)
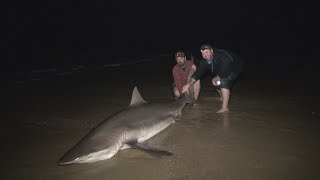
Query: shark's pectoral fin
point(177, 119)
point(150, 150)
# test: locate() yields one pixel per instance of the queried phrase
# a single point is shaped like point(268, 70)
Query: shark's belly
point(148, 132)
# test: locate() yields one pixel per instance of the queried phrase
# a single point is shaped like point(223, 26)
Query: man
point(223, 66)
point(182, 72)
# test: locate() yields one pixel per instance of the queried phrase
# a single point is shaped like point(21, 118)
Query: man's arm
point(192, 70)
point(199, 72)
point(194, 67)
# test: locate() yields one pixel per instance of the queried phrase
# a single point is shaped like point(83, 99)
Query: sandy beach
point(271, 131)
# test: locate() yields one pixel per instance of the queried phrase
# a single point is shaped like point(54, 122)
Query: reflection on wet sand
point(225, 121)
point(265, 135)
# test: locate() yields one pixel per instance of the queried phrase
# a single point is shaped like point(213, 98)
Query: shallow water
point(271, 131)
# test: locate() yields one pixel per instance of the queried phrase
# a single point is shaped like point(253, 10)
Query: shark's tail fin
point(192, 59)
point(189, 98)
point(190, 94)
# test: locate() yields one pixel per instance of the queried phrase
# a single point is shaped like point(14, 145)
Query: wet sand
point(271, 131)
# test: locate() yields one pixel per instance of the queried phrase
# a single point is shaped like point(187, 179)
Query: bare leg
point(225, 100)
point(196, 91)
point(218, 90)
point(220, 95)
point(176, 92)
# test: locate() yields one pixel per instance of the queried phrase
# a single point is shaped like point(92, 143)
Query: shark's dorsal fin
point(136, 98)
point(192, 60)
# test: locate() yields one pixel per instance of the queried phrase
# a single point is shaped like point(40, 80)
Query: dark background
point(46, 34)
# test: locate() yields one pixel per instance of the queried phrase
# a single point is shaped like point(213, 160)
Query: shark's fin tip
point(136, 98)
point(150, 150)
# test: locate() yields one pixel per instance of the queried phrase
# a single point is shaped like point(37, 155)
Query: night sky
point(62, 33)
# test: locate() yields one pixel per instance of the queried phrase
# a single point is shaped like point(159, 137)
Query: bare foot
point(222, 110)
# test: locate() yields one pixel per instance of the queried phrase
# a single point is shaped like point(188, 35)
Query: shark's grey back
point(139, 121)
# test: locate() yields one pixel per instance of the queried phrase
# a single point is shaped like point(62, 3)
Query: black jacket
point(223, 64)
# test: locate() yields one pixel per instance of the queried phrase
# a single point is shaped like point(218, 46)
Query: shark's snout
point(63, 162)
point(66, 159)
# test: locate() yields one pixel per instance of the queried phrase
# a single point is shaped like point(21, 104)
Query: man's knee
point(176, 92)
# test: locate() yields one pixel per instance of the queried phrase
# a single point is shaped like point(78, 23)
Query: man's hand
point(194, 67)
point(185, 88)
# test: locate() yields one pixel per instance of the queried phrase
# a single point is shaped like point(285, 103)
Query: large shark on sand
point(127, 129)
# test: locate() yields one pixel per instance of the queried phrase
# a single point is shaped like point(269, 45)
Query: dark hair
point(205, 46)
point(179, 54)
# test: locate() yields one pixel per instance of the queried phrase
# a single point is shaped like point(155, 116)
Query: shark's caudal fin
point(192, 59)
point(149, 150)
point(190, 94)
point(136, 98)
point(189, 98)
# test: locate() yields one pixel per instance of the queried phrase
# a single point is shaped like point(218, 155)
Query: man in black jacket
point(223, 66)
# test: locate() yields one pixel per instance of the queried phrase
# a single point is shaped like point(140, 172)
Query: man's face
point(180, 61)
point(207, 54)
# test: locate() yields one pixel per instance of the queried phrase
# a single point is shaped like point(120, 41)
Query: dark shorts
point(227, 82)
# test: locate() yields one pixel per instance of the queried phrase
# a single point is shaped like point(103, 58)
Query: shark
point(128, 128)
